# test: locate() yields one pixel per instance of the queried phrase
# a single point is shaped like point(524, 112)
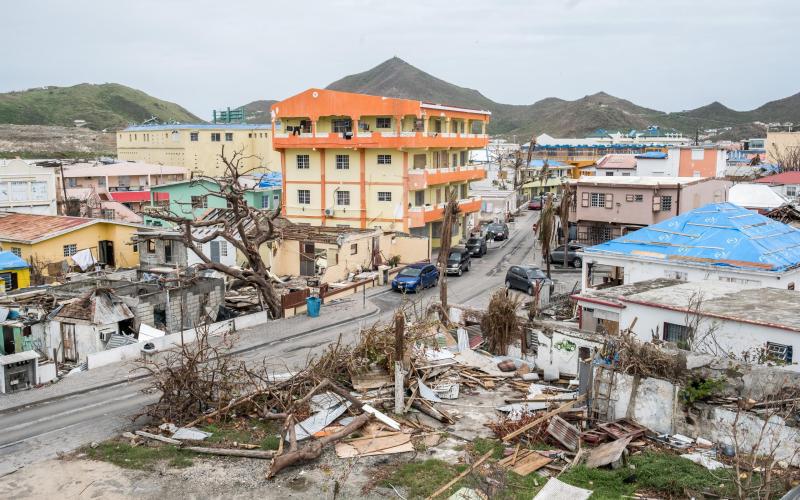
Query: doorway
point(307, 258)
point(106, 251)
point(68, 342)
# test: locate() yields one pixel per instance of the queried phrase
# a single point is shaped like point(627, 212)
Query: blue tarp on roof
point(10, 261)
point(270, 180)
point(653, 155)
point(719, 234)
point(550, 163)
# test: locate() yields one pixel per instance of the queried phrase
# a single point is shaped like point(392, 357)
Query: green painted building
point(191, 199)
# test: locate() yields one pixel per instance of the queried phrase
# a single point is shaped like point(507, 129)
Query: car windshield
point(495, 227)
point(454, 256)
point(535, 273)
point(473, 241)
point(411, 272)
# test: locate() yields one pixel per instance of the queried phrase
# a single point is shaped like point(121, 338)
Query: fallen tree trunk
point(314, 449)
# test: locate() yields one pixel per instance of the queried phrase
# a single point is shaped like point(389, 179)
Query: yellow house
point(14, 272)
point(362, 161)
point(780, 144)
point(198, 146)
point(50, 239)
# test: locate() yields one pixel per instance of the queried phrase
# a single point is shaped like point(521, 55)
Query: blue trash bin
point(312, 305)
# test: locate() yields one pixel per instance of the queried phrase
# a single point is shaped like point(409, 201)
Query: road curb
point(376, 310)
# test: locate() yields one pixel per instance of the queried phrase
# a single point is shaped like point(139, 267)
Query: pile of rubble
point(403, 386)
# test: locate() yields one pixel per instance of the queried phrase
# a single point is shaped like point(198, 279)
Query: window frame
point(216, 137)
point(228, 136)
point(304, 194)
point(383, 119)
point(343, 196)
point(342, 162)
point(194, 136)
point(666, 203)
point(384, 196)
point(70, 249)
point(303, 162)
point(384, 159)
point(597, 200)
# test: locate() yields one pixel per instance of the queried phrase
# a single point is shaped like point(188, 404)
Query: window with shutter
point(585, 199)
point(609, 200)
point(656, 203)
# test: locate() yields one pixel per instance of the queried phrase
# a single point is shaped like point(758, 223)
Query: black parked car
point(497, 231)
point(573, 258)
point(477, 246)
point(458, 261)
point(525, 278)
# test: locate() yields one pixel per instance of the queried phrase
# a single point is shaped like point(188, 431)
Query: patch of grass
point(140, 457)
point(660, 472)
point(483, 446)
point(521, 487)
point(420, 479)
point(252, 431)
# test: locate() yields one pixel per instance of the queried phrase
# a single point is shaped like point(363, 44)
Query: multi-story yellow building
point(198, 146)
point(779, 145)
point(368, 161)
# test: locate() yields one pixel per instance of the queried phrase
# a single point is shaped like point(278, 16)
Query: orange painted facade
point(692, 165)
point(368, 160)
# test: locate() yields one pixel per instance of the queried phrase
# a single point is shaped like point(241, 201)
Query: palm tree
point(545, 230)
point(563, 216)
point(451, 211)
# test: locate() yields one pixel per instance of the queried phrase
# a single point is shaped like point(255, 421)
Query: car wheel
point(460, 272)
point(530, 290)
point(577, 262)
point(508, 284)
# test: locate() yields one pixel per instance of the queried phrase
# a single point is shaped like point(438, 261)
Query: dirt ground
point(76, 477)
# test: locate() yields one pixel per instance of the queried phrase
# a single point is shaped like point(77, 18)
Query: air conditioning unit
point(105, 335)
point(329, 212)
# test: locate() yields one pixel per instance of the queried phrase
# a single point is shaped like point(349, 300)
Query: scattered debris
point(555, 489)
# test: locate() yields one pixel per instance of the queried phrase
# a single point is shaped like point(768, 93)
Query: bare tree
point(450, 213)
point(788, 158)
point(545, 229)
point(243, 226)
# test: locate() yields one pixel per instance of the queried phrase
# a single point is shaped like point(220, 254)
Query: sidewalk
point(337, 313)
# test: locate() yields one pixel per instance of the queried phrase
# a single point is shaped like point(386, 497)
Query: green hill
point(105, 106)
point(258, 111)
point(558, 117)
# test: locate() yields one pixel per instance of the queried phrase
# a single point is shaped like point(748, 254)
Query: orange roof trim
point(314, 103)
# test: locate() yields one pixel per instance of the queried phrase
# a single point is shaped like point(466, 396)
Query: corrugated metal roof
point(718, 234)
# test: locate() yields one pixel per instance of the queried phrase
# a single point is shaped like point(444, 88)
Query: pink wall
point(623, 211)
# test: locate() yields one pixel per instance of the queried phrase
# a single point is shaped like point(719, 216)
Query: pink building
point(608, 207)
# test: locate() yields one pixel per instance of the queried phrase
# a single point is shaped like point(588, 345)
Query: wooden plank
point(531, 463)
point(607, 453)
point(461, 476)
point(544, 417)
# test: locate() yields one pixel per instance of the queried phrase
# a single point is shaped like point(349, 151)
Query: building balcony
point(387, 140)
point(421, 178)
point(419, 216)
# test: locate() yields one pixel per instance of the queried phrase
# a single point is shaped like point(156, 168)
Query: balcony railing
point(419, 216)
point(408, 139)
point(420, 178)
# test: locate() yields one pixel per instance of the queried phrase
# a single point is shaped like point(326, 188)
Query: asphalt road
point(39, 432)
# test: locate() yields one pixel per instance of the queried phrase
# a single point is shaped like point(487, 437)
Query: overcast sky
point(665, 54)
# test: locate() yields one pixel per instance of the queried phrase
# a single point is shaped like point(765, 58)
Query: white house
point(27, 188)
point(786, 184)
point(759, 197)
point(719, 241)
point(658, 163)
point(707, 316)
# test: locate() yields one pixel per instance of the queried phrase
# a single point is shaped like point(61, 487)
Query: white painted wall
point(641, 270)
point(565, 361)
point(228, 260)
point(667, 167)
point(732, 336)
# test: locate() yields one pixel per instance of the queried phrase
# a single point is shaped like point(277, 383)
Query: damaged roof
point(718, 234)
point(100, 306)
point(33, 228)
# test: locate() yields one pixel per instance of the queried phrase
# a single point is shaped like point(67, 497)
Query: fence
point(134, 351)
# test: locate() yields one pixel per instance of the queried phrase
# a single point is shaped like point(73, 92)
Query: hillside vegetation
point(106, 106)
point(558, 117)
